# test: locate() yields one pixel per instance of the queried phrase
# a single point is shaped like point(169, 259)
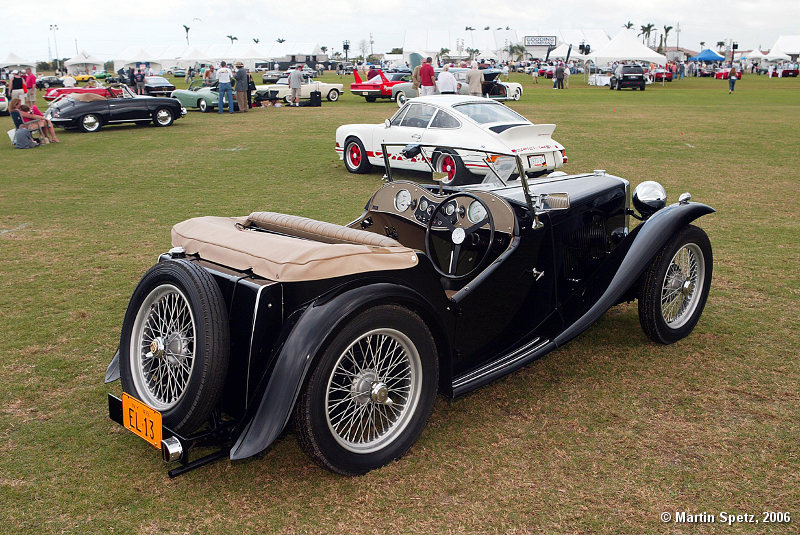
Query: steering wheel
point(458, 235)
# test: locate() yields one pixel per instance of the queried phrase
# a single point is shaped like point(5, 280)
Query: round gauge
point(476, 212)
point(423, 205)
point(402, 200)
point(450, 209)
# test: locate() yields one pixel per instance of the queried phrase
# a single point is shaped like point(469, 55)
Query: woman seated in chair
point(23, 118)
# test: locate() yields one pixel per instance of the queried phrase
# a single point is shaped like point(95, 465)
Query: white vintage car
point(454, 121)
point(329, 91)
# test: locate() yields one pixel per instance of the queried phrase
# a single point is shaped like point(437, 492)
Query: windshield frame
point(489, 103)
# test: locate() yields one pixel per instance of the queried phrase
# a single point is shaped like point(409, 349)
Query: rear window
point(489, 112)
point(632, 69)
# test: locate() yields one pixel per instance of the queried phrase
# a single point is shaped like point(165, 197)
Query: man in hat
point(241, 86)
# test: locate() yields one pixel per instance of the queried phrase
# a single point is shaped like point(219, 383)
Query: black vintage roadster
point(91, 111)
point(248, 322)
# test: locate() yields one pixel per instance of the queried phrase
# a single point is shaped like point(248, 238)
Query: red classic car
point(547, 71)
point(724, 74)
point(56, 92)
point(789, 72)
point(658, 75)
point(378, 86)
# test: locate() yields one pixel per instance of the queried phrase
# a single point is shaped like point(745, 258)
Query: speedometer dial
point(476, 212)
point(402, 200)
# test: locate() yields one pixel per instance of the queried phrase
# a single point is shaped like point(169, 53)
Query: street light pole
point(54, 28)
point(346, 47)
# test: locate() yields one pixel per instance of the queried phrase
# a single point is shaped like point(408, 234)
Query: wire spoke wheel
point(679, 292)
point(373, 390)
point(674, 289)
point(163, 347)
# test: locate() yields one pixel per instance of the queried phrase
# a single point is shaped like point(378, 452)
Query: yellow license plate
point(141, 420)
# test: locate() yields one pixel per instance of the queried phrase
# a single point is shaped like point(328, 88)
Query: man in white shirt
point(446, 82)
point(224, 76)
point(69, 81)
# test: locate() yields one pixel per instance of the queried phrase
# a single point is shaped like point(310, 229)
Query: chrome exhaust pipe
point(171, 449)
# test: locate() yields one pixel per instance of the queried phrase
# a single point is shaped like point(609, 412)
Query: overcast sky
point(104, 28)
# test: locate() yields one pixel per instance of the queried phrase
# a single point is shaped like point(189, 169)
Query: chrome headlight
point(649, 197)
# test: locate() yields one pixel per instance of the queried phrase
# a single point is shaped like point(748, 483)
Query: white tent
point(625, 47)
point(561, 51)
point(788, 44)
point(136, 58)
point(83, 62)
point(12, 61)
point(773, 55)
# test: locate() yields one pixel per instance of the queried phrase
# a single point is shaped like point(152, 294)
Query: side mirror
point(387, 123)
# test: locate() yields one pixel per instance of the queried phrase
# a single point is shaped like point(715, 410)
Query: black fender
point(648, 239)
point(320, 320)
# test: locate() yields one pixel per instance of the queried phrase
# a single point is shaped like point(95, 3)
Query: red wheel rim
point(448, 166)
point(355, 155)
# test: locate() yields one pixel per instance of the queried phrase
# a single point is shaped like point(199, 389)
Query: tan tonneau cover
point(226, 241)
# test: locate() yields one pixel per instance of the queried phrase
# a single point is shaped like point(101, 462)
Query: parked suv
point(628, 76)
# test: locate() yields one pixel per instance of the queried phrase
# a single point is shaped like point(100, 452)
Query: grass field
point(601, 436)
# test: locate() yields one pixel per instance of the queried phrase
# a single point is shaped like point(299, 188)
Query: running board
point(502, 366)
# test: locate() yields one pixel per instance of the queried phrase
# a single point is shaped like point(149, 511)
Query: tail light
point(564, 155)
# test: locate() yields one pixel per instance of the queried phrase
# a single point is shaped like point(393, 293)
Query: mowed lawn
point(601, 436)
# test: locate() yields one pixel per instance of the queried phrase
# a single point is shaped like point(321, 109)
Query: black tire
point(343, 447)
point(163, 117)
point(203, 105)
point(664, 278)
point(370, 99)
point(333, 95)
point(355, 157)
point(183, 286)
point(447, 161)
point(90, 123)
point(641, 87)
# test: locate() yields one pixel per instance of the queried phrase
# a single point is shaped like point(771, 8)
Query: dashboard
point(416, 204)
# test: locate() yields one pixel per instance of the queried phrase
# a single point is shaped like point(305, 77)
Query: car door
point(408, 127)
point(127, 108)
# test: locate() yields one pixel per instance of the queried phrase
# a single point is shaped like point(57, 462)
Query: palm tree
point(255, 40)
point(667, 29)
point(324, 49)
point(232, 38)
point(473, 52)
point(185, 27)
point(646, 31)
point(702, 44)
point(720, 45)
point(628, 25)
point(443, 52)
point(516, 51)
point(280, 40)
point(469, 29)
point(486, 28)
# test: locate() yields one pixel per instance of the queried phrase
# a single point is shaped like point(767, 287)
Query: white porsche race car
point(454, 121)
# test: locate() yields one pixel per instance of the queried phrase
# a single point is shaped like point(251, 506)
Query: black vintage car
point(158, 86)
point(628, 76)
point(89, 111)
point(43, 82)
point(352, 330)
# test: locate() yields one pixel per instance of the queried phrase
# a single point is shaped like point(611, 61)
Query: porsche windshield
point(489, 112)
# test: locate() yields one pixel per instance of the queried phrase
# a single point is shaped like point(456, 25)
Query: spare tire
point(175, 344)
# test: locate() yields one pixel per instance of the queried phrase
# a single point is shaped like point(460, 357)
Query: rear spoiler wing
point(358, 78)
